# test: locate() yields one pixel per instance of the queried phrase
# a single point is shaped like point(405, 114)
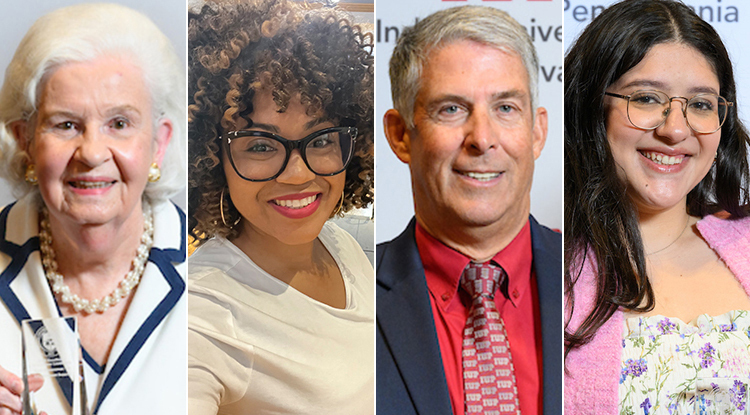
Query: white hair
point(82, 33)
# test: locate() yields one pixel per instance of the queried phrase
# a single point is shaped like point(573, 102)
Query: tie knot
point(482, 279)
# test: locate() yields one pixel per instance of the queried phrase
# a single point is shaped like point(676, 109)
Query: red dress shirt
point(520, 312)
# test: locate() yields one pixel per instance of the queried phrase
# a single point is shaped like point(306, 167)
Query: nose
point(296, 171)
point(93, 149)
point(675, 127)
point(480, 136)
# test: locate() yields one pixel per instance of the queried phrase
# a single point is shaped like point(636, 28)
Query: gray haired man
point(469, 295)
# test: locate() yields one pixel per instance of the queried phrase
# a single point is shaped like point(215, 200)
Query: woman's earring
point(341, 205)
point(31, 175)
point(154, 173)
point(221, 209)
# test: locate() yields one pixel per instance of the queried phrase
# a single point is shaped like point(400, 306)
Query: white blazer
point(146, 371)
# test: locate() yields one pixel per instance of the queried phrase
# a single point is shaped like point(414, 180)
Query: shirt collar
point(444, 266)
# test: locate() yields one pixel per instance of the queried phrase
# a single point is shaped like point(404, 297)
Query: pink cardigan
point(591, 383)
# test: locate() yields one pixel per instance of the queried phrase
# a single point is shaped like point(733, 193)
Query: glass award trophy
point(721, 396)
point(51, 349)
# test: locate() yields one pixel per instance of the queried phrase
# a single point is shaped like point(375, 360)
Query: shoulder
point(729, 237)
point(720, 228)
point(333, 236)
point(542, 236)
point(212, 292)
point(19, 220)
point(348, 253)
point(584, 292)
point(342, 244)
point(215, 259)
point(404, 244)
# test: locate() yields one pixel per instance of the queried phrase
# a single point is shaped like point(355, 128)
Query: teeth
point(482, 177)
point(663, 158)
point(295, 204)
point(90, 185)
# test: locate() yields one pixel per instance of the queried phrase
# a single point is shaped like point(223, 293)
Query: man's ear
point(398, 135)
point(540, 131)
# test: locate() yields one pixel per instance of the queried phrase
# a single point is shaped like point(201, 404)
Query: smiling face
point(472, 150)
point(663, 165)
point(293, 207)
point(93, 141)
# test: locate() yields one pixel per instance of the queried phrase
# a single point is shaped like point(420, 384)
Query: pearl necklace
point(131, 280)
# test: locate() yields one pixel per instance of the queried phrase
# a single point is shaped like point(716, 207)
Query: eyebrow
point(275, 129)
point(107, 113)
point(122, 108)
point(701, 89)
point(268, 127)
point(311, 124)
point(511, 93)
point(44, 115)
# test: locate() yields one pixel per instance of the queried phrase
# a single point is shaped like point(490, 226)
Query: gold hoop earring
point(30, 175)
point(221, 209)
point(337, 211)
point(154, 173)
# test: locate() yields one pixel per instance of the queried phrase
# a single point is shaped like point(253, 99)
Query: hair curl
point(237, 48)
point(601, 222)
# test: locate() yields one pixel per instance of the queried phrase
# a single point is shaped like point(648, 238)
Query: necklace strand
point(131, 280)
point(676, 239)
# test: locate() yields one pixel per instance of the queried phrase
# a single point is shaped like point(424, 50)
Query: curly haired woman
point(280, 141)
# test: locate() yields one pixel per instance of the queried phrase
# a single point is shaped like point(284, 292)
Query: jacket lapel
point(158, 292)
point(547, 251)
point(28, 297)
point(404, 317)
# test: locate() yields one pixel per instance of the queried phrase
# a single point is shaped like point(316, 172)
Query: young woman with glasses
point(657, 238)
point(280, 133)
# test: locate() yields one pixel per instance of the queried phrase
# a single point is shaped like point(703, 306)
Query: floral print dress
point(676, 368)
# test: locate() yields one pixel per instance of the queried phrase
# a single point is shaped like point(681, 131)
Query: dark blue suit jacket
point(410, 375)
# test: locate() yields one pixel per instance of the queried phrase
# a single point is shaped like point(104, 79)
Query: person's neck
point(663, 229)
point(87, 253)
point(478, 242)
point(272, 255)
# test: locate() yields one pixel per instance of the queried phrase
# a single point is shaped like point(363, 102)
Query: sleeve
point(219, 366)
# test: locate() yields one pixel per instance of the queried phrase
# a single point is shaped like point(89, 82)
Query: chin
point(658, 203)
point(300, 235)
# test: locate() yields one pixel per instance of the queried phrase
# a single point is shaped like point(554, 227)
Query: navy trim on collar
point(19, 255)
point(86, 356)
point(163, 259)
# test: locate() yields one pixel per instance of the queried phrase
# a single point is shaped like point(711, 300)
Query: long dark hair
point(601, 223)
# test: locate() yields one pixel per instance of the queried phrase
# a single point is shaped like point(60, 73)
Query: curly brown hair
point(238, 47)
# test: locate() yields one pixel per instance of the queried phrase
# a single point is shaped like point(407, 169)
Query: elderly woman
point(90, 116)
point(281, 316)
point(657, 234)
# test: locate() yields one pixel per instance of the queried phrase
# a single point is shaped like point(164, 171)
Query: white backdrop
point(18, 16)
point(543, 19)
point(728, 17)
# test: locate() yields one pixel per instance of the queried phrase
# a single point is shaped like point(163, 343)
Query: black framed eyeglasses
point(648, 110)
point(259, 156)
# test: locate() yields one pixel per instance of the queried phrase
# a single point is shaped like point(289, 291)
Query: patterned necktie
point(489, 378)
